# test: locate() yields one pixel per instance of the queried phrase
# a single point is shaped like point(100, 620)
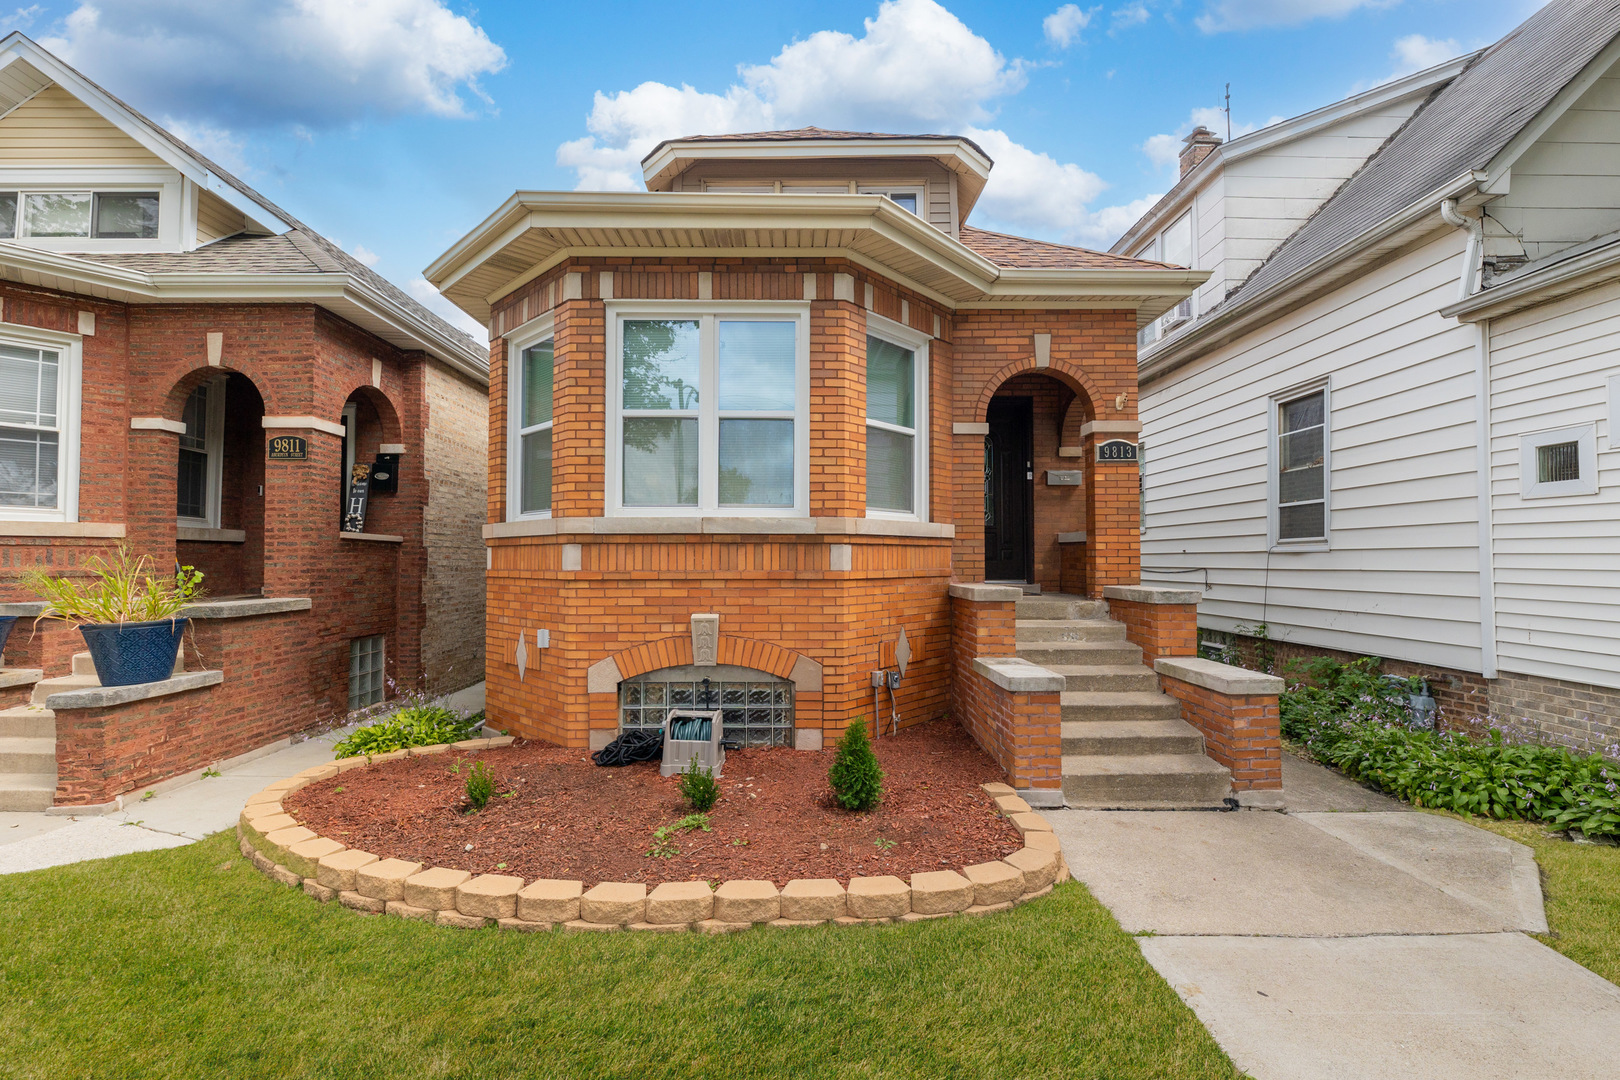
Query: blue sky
point(393, 126)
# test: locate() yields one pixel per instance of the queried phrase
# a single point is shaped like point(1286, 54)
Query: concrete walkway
point(175, 814)
point(1350, 938)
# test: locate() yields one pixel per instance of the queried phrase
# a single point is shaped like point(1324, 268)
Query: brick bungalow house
point(186, 368)
point(765, 429)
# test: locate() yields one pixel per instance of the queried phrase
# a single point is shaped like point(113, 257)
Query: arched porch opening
point(371, 423)
point(1035, 482)
point(219, 480)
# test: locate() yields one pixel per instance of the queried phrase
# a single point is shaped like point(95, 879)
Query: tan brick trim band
point(325, 869)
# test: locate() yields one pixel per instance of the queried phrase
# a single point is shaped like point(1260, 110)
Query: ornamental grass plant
point(120, 589)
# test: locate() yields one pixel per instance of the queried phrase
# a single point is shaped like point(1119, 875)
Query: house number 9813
point(1116, 450)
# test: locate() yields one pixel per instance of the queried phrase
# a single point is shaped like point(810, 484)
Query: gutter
point(1250, 310)
point(1529, 286)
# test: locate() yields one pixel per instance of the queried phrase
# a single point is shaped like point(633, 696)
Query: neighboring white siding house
point(1396, 430)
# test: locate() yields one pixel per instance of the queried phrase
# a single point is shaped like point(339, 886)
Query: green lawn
point(1580, 885)
point(187, 963)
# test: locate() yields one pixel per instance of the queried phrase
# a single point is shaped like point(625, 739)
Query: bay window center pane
point(661, 364)
point(756, 366)
point(660, 461)
point(756, 462)
point(57, 215)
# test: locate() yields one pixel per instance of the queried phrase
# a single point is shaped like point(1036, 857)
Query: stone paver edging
point(287, 852)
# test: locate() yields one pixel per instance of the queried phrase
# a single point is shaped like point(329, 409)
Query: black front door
point(1009, 488)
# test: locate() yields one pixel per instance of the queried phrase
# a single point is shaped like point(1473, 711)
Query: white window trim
point(907, 338)
point(1585, 436)
point(1274, 406)
point(526, 336)
point(918, 190)
point(69, 389)
point(707, 313)
point(166, 182)
point(1614, 412)
point(214, 447)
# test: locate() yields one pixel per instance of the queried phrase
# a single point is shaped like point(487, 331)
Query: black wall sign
point(1116, 450)
point(354, 507)
point(289, 448)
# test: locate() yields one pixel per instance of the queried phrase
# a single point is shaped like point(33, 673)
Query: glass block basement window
point(365, 671)
point(756, 709)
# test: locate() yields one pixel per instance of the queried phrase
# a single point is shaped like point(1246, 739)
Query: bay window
point(895, 393)
point(39, 422)
point(530, 380)
point(710, 410)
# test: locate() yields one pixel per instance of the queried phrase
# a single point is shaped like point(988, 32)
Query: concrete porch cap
point(980, 593)
point(1019, 675)
point(1152, 594)
point(1221, 678)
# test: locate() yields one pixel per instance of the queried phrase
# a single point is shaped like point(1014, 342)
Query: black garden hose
point(637, 744)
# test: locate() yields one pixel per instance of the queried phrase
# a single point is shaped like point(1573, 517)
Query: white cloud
point(1063, 26)
point(243, 63)
point(423, 292)
point(1128, 16)
point(215, 143)
point(1414, 52)
point(1164, 150)
point(917, 69)
point(1222, 15)
point(366, 256)
point(22, 18)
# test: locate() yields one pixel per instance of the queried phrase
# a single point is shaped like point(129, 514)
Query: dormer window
point(908, 199)
point(103, 215)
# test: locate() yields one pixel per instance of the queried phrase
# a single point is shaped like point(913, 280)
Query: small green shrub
point(1350, 718)
point(414, 725)
point(698, 787)
point(856, 777)
point(480, 785)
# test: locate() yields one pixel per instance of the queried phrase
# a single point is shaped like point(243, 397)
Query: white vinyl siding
point(54, 129)
point(1401, 579)
point(1557, 560)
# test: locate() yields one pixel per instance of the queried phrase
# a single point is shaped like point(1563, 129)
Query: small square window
point(1562, 462)
point(365, 671)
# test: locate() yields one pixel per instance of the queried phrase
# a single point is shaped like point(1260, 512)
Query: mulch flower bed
point(556, 815)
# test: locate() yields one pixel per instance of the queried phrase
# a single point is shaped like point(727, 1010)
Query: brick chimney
point(1196, 147)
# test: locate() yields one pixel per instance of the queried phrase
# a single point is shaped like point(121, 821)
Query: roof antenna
point(1228, 112)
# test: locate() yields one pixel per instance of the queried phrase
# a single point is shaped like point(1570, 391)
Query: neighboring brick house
point(187, 369)
point(750, 426)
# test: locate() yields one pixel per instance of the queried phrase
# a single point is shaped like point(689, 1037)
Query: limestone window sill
point(381, 538)
point(107, 529)
point(246, 607)
point(210, 536)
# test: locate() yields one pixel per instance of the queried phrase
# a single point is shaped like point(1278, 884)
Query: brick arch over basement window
point(676, 651)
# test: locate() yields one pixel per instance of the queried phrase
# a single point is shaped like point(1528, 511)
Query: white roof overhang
point(345, 295)
point(534, 231)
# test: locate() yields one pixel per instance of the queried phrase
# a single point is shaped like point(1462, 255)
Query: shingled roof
point(806, 134)
point(1462, 128)
point(1021, 253)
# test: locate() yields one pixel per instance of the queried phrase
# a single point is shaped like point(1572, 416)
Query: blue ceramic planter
point(6, 623)
point(137, 652)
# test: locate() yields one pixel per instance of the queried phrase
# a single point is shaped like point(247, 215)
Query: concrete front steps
point(28, 741)
point(1125, 746)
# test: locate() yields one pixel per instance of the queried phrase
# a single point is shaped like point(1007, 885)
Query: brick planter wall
point(1012, 708)
point(1236, 710)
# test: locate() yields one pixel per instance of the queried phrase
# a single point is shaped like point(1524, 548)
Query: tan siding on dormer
point(832, 174)
point(54, 128)
point(217, 219)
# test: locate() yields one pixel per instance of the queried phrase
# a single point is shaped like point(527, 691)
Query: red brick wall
point(1158, 629)
point(1072, 573)
point(1056, 509)
point(1022, 732)
point(1241, 733)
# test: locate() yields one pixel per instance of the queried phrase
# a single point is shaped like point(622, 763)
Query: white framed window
point(1300, 468)
point(896, 420)
point(531, 380)
point(366, 671)
point(201, 464)
point(39, 425)
point(710, 409)
point(1560, 462)
point(905, 196)
point(100, 215)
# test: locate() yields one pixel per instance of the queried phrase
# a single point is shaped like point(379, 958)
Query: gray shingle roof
point(1463, 127)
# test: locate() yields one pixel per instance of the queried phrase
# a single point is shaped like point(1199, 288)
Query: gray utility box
point(678, 753)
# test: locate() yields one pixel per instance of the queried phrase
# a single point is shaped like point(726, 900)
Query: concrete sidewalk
point(174, 815)
point(1350, 938)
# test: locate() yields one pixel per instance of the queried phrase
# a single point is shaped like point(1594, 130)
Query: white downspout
point(1467, 285)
